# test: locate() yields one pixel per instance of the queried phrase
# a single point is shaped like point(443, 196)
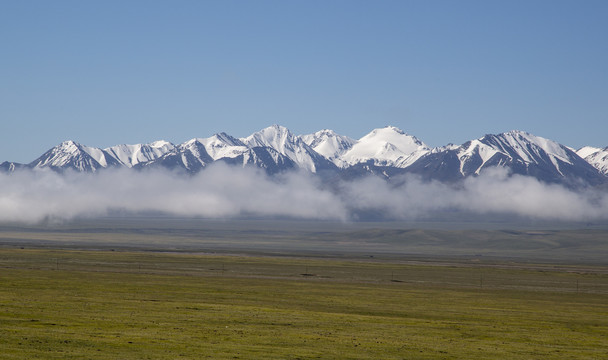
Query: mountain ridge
point(386, 152)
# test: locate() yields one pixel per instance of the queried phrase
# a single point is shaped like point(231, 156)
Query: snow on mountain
point(531, 148)
point(223, 145)
point(230, 150)
point(196, 154)
point(387, 146)
point(191, 156)
point(586, 151)
point(329, 144)
point(72, 155)
point(131, 155)
point(521, 152)
point(286, 143)
point(475, 152)
point(385, 152)
point(268, 159)
point(597, 157)
point(513, 147)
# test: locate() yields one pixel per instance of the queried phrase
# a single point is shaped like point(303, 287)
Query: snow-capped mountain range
point(385, 152)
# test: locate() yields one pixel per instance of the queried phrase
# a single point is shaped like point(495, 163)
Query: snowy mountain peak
point(69, 143)
point(161, 144)
point(223, 145)
point(72, 155)
point(527, 147)
point(388, 146)
point(223, 139)
point(131, 155)
point(329, 144)
point(388, 129)
point(275, 136)
point(229, 139)
point(395, 136)
point(286, 143)
point(69, 146)
point(597, 157)
point(517, 133)
point(193, 143)
point(319, 136)
point(586, 151)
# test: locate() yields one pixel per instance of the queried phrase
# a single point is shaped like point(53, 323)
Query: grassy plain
point(68, 304)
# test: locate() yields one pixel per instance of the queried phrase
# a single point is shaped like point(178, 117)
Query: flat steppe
point(172, 289)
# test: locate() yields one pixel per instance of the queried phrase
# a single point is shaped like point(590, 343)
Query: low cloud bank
point(493, 192)
point(224, 192)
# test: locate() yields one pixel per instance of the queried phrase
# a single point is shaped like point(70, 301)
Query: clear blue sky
point(109, 72)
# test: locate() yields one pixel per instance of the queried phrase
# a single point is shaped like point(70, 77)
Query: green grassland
point(101, 304)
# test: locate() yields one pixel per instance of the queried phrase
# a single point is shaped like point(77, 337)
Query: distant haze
point(222, 191)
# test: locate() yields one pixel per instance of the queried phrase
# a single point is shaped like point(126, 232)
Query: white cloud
point(493, 192)
point(223, 192)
